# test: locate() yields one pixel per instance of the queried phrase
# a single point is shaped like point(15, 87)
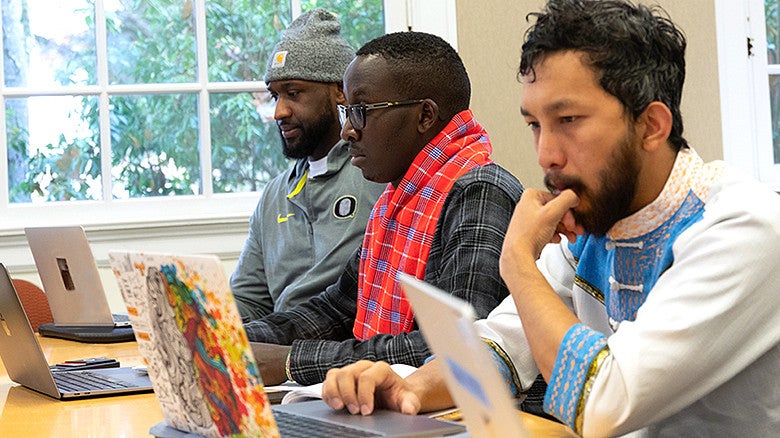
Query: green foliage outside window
point(155, 137)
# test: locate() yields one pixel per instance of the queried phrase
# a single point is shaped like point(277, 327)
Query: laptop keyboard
point(292, 426)
point(87, 381)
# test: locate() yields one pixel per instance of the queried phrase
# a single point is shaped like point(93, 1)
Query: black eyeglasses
point(356, 113)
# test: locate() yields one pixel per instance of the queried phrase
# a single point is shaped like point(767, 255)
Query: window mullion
point(4, 199)
point(395, 16)
point(204, 117)
point(3, 152)
point(104, 120)
point(295, 8)
point(434, 16)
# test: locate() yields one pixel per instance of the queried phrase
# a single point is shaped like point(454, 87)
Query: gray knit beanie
point(311, 49)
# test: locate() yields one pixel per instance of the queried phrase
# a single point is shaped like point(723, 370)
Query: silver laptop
point(474, 383)
point(72, 284)
point(182, 307)
point(26, 364)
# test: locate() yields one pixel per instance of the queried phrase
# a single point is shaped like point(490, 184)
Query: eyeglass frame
point(347, 112)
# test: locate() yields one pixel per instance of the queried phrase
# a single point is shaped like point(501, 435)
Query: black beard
point(311, 136)
point(618, 188)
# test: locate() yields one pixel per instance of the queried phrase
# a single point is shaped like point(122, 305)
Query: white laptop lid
point(472, 379)
point(69, 276)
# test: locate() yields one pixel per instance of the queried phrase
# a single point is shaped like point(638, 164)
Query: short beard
point(311, 136)
point(618, 189)
point(295, 153)
point(613, 203)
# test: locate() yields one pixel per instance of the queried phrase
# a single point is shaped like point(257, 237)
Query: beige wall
point(489, 38)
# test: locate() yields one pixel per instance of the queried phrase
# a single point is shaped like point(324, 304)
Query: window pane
point(53, 152)
point(772, 31)
point(245, 143)
point(150, 42)
point(154, 143)
point(241, 34)
point(361, 20)
point(41, 46)
point(773, 57)
point(774, 100)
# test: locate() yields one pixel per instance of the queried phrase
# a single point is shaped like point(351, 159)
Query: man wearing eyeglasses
point(441, 218)
point(312, 216)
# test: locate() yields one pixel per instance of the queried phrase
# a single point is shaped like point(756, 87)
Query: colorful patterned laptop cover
point(189, 331)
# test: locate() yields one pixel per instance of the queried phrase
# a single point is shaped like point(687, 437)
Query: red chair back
point(34, 301)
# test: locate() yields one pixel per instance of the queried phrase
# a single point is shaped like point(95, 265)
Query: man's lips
point(355, 153)
point(557, 190)
point(356, 156)
point(556, 185)
point(289, 132)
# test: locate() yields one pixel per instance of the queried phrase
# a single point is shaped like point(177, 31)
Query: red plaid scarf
point(402, 223)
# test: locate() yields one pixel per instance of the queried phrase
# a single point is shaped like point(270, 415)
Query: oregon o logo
point(344, 207)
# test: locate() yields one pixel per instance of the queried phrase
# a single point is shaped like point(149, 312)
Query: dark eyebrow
point(552, 107)
point(558, 104)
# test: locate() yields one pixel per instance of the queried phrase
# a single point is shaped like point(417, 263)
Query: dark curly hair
point(637, 50)
point(424, 66)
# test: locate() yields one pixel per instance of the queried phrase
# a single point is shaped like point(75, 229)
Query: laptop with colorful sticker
point(201, 365)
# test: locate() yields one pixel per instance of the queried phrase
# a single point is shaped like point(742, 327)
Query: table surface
point(24, 412)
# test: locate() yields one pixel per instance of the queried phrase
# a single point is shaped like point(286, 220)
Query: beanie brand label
point(279, 59)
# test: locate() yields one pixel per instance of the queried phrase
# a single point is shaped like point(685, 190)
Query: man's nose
point(348, 133)
point(281, 110)
point(549, 150)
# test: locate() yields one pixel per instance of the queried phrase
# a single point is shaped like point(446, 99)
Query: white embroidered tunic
point(680, 311)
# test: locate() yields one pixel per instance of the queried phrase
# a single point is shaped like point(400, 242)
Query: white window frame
point(207, 222)
point(744, 89)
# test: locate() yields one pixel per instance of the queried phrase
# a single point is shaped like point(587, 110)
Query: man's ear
point(429, 115)
point(338, 93)
point(657, 123)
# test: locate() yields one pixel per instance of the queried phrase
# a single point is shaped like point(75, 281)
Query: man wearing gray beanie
point(312, 217)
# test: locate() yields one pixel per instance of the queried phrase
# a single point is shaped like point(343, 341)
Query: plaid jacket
point(463, 260)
